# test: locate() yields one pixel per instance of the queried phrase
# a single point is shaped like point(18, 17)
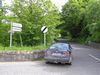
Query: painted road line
point(94, 57)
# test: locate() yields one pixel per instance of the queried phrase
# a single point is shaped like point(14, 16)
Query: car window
point(60, 46)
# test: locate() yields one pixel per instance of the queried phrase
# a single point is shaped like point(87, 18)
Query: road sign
point(16, 27)
point(17, 30)
point(44, 29)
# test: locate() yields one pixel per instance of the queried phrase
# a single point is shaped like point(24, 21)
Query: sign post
point(44, 29)
point(44, 39)
point(11, 35)
point(15, 27)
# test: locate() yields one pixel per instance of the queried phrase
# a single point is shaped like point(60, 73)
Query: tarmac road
point(86, 61)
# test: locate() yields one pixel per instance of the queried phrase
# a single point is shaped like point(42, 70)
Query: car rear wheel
point(47, 62)
point(70, 61)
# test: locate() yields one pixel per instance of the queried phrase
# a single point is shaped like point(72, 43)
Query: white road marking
point(94, 57)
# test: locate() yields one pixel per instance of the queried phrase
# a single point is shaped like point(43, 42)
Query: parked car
point(59, 53)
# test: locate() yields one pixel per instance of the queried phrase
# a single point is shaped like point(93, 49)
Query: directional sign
point(16, 27)
point(17, 30)
point(44, 29)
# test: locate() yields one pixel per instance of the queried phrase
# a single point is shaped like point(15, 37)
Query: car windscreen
point(60, 47)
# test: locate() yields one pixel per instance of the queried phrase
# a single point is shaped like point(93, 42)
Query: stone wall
point(21, 56)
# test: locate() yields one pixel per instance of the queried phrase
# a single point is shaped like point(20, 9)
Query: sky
point(58, 3)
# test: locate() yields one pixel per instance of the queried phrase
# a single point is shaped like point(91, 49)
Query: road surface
point(86, 61)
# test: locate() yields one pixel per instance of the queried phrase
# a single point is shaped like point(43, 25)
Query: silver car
point(59, 53)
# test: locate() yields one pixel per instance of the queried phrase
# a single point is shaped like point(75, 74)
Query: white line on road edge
point(94, 57)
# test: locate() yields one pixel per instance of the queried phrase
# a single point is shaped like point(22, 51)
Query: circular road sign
point(44, 29)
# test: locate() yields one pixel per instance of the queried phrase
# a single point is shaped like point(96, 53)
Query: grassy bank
point(24, 48)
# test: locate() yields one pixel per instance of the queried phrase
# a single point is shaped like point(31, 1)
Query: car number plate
point(56, 54)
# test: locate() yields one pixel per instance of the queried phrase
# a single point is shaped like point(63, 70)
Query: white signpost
point(15, 27)
point(44, 29)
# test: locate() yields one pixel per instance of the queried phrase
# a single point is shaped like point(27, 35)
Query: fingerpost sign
point(15, 27)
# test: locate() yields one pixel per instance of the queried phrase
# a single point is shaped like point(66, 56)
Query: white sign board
point(19, 30)
point(16, 27)
point(44, 29)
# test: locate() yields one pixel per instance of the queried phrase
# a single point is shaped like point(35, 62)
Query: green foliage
point(4, 28)
point(82, 20)
point(32, 15)
point(73, 14)
point(93, 20)
point(4, 36)
point(24, 48)
point(79, 20)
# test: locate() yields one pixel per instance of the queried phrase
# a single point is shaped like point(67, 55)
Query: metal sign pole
point(11, 35)
point(44, 39)
point(44, 29)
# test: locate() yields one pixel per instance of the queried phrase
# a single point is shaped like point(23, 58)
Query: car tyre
point(47, 62)
point(70, 61)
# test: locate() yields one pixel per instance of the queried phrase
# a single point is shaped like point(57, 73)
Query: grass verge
point(24, 48)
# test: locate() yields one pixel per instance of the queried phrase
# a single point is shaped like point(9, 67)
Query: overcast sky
point(58, 3)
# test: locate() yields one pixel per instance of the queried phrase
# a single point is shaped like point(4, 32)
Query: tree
point(81, 19)
point(33, 15)
point(4, 27)
point(73, 15)
point(93, 20)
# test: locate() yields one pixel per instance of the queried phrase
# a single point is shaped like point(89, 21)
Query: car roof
point(60, 43)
